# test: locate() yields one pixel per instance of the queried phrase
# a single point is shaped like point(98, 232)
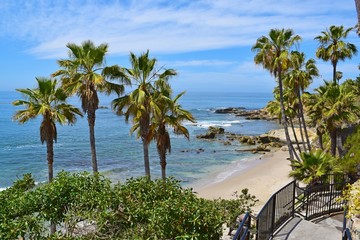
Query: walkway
point(327, 228)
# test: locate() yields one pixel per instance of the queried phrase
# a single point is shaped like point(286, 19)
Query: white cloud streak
point(163, 26)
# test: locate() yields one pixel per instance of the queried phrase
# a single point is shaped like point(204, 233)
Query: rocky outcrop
point(229, 110)
point(280, 134)
point(260, 114)
point(211, 133)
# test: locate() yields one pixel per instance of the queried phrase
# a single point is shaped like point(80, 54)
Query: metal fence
point(322, 197)
point(278, 209)
point(318, 199)
point(243, 231)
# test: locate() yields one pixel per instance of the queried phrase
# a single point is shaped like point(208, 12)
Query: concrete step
point(298, 228)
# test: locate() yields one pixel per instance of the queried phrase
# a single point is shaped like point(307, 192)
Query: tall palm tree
point(48, 101)
point(273, 54)
point(169, 114)
point(333, 48)
point(80, 74)
point(140, 104)
point(298, 79)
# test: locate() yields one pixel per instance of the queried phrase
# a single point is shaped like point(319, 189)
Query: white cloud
point(164, 26)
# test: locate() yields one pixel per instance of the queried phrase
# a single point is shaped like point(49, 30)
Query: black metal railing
point(243, 231)
point(277, 210)
point(318, 199)
point(322, 197)
point(346, 234)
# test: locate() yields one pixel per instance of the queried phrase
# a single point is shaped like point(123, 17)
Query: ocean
point(120, 154)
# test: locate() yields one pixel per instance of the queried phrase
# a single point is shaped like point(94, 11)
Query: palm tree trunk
point(144, 132)
point(320, 137)
point(294, 133)
point(163, 164)
point(304, 122)
point(357, 4)
point(146, 157)
point(91, 121)
point(339, 143)
point(283, 117)
point(301, 131)
point(333, 142)
point(50, 160)
point(334, 73)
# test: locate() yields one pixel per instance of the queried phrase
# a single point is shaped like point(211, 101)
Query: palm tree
point(170, 113)
point(313, 108)
point(80, 75)
point(273, 55)
point(48, 101)
point(333, 48)
point(312, 167)
point(335, 106)
point(298, 79)
point(140, 104)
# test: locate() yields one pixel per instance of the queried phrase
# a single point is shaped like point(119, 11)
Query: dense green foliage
point(85, 206)
point(312, 166)
point(351, 162)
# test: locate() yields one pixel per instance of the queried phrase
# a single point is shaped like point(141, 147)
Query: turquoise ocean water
point(119, 153)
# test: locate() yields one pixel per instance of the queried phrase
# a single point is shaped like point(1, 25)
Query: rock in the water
point(211, 133)
point(228, 110)
point(216, 130)
point(208, 135)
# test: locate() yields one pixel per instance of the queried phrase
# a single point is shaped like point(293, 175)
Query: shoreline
point(263, 176)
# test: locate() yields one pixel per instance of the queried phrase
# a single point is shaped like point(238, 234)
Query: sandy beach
point(263, 176)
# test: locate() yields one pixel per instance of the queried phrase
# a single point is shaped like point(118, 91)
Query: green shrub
point(85, 206)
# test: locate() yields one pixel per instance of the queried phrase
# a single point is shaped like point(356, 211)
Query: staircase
point(297, 228)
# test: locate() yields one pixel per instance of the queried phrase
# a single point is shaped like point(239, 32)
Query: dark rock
point(267, 139)
point(216, 130)
point(211, 133)
point(262, 148)
point(208, 135)
point(227, 143)
point(251, 141)
point(228, 110)
point(200, 150)
point(246, 150)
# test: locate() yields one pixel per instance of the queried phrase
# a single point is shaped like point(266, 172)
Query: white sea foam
point(207, 124)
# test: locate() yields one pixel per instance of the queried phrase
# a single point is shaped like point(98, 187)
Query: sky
point(208, 42)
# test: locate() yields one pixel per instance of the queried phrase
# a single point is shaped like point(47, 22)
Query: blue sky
point(207, 41)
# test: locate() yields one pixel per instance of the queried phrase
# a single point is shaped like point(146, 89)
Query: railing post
point(306, 198)
point(273, 215)
point(249, 226)
point(331, 195)
point(257, 229)
point(293, 201)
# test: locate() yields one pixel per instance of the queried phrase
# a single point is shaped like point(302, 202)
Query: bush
point(351, 160)
point(85, 206)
